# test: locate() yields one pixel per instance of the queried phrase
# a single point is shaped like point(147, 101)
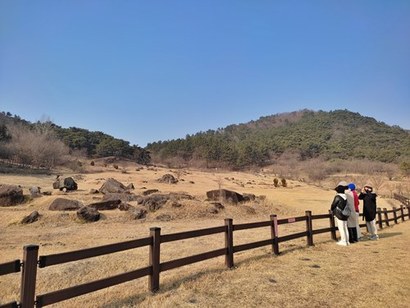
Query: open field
point(367, 273)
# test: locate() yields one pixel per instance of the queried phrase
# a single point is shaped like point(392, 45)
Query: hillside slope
point(338, 134)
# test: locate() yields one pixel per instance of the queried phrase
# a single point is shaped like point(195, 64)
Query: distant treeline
point(304, 134)
point(339, 134)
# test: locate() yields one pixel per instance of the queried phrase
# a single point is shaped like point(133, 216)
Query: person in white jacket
point(337, 206)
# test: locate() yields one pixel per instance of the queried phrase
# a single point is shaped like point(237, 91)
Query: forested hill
point(41, 143)
point(336, 134)
point(308, 134)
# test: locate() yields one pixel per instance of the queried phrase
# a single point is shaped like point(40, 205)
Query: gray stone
point(30, 218)
point(88, 214)
point(225, 195)
point(11, 195)
point(61, 204)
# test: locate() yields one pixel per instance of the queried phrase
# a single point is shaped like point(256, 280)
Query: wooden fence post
point(309, 228)
point(408, 210)
point(274, 233)
point(402, 212)
point(332, 226)
point(386, 217)
point(28, 277)
point(379, 217)
point(229, 243)
point(395, 215)
point(154, 259)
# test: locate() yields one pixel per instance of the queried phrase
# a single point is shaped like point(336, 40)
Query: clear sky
point(150, 70)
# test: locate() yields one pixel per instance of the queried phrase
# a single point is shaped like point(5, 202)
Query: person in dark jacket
point(338, 204)
point(369, 210)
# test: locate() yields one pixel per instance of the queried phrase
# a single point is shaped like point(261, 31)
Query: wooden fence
point(32, 262)
point(402, 199)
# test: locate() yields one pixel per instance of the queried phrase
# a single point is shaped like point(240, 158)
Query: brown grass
point(367, 273)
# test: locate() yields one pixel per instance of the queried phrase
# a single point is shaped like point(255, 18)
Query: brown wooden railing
point(31, 262)
point(402, 199)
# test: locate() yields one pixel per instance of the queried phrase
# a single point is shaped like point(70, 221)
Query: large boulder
point(35, 191)
point(225, 195)
point(249, 197)
point(168, 178)
point(155, 202)
point(114, 187)
point(124, 197)
point(149, 192)
point(61, 204)
point(11, 195)
point(137, 213)
point(65, 184)
point(30, 218)
point(88, 214)
point(106, 205)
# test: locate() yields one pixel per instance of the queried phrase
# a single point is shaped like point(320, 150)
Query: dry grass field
point(369, 273)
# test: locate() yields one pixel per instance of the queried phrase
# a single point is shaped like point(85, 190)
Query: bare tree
point(377, 181)
point(38, 146)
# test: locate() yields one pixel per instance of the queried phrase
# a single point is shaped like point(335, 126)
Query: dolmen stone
point(149, 192)
point(137, 213)
point(35, 191)
point(115, 187)
point(66, 184)
point(62, 204)
point(168, 178)
point(249, 197)
point(124, 197)
point(88, 214)
point(225, 195)
point(155, 202)
point(30, 218)
point(106, 205)
point(11, 195)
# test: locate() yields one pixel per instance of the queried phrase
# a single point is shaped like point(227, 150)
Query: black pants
point(352, 235)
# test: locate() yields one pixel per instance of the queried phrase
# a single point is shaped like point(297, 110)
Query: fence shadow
point(390, 234)
point(166, 286)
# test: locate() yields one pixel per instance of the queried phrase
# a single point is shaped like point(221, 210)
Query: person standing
point(352, 188)
point(352, 219)
point(369, 210)
point(338, 205)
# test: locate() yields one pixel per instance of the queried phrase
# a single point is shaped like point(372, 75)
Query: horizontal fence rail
point(31, 262)
point(92, 252)
point(9, 268)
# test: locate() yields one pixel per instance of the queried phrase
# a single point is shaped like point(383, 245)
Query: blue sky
point(152, 70)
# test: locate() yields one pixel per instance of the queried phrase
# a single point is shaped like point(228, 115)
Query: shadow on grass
point(386, 235)
point(175, 283)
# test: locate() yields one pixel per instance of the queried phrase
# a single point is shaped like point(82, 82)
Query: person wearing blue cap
point(352, 188)
point(352, 219)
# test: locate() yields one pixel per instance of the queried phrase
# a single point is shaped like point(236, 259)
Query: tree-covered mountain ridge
point(305, 134)
point(338, 134)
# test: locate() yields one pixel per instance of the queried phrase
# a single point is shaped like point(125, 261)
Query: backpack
point(343, 213)
point(346, 211)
